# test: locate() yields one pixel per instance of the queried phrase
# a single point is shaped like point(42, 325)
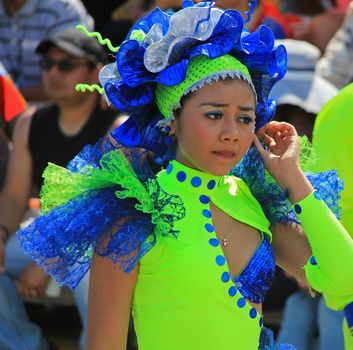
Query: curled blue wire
point(252, 6)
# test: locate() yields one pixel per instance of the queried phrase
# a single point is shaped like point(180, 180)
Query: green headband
point(201, 70)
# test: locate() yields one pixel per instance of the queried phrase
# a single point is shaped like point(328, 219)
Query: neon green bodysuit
point(184, 298)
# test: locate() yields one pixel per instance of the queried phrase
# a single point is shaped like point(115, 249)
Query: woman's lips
point(224, 154)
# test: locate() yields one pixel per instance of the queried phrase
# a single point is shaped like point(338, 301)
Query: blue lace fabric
point(267, 341)
point(91, 207)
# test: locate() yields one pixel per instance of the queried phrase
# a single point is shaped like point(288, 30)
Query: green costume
point(335, 123)
point(181, 300)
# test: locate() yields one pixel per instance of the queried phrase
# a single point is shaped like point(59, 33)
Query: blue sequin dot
point(209, 227)
point(206, 213)
point(313, 261)
point(204, 199)
point(253, 312)
point(169, 168)
point(220, 260)
point(232, 291)
point(214, 242)
point(181, 176)
point(260, 322)
point(317, 195)
point(225, 277)
point(196, 181)
point(241, 302)
point(297, 208)
point(211, 184)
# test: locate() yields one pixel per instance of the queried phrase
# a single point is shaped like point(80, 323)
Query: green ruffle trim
point(61, 185)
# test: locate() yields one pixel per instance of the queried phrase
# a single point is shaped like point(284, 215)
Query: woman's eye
point(245, 119)
point(214, 115)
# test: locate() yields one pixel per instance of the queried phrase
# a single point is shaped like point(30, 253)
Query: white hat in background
point(301, 86)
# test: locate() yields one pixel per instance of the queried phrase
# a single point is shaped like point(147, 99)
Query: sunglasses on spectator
point(65, 65)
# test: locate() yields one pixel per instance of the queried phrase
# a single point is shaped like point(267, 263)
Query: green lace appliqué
point(62, 185)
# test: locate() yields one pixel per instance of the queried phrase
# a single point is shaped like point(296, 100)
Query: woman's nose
point(230, 131)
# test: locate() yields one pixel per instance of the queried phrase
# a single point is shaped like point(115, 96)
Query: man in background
point(54, 133)
point(23, 24)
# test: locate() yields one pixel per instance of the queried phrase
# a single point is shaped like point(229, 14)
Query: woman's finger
point(268, 140)
point(280, 126)
point(258, 145)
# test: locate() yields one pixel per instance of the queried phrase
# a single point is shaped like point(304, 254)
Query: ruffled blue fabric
point(101, 220)
point(163, 52)
point(274, 201)
point(267, 341)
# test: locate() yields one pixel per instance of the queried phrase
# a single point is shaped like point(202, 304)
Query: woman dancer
point(191, 249)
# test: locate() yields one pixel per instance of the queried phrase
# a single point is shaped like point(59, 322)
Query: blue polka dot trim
point(211, 184)
point(313, 261)
point(214, 242)
point(204, 199)
point(220, 260)
point(241, 302)
point(297, 208)
point(261, 321)
point(232, 291)
point(317, 195)
point(196, 181)
point(253, 312)
point(225, 277)
point(209, 228)
point(169, 168)
point(206, 213)
point(181, 176)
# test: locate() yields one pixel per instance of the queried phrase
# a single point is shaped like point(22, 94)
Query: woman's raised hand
point(281, 158)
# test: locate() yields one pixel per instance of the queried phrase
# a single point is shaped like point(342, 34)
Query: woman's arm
point(110, 297)
point(292, 250)
point(329, 271)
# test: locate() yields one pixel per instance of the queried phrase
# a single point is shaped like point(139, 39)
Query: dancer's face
point(215, 126)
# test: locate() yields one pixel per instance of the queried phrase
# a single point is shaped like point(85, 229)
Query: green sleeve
point(348, 335)
point(329, 270)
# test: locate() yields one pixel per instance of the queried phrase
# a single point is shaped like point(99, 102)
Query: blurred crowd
point(44, 119)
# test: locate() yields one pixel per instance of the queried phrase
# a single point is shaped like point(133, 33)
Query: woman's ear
point(173, 127)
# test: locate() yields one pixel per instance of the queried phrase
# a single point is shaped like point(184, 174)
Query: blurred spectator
point(304, 317)
point(11, 104)
point(336, 64)
point(23, 24)
point(113, 21)
point(54, 133)
point(301, 93)
point(101, 11)
point(304, 7)
point(319, 20)
point(265, 13)
point(166, 4)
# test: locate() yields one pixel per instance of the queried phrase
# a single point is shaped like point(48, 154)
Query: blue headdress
point(159, 49)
